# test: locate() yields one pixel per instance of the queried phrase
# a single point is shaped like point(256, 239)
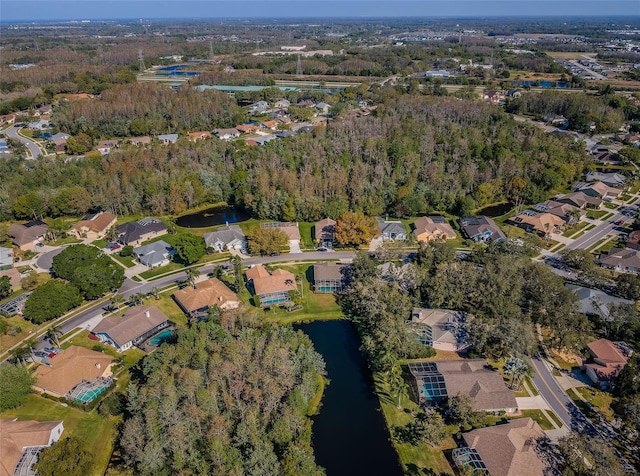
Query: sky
point(54, 10)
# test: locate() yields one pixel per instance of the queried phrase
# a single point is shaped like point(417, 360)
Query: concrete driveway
point(532, 403)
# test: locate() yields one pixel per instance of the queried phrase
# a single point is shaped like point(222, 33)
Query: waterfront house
point(135, 233)
point(231, 237)
point(329, 277)
point(271, 288)
point(441, 329)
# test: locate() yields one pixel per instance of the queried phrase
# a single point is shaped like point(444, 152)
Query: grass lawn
point(167, 305)
point(96, 434)
point(214, 258)
point(539, 417)
point(422, 459)
point(597, 244)
point(597, 213)
point(305, 235)
point(575, 229)
point(154, 273)
point(129, 357)
point(610, 206)
point(599, 399)
point(558, 248)
point(7, 341)
point(126, 261)
point(100, 243)
point(608, 245)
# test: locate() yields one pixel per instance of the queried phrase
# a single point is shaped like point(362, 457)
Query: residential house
point(324, 232)
point(105, 146)
point(259, 107)
point(494, 97)
point(329, 277)
point(510, 449)
point(21, 441)
point(138, 141)
point(282, 104)
point(137, 325)
point(271, 125)
point(436, 381)
point(167, 139)
point(196, 301)
point(135, 233)
point(231, 237)
point(196, 136)
point(4, 147)
point(433, 228)
point(596, 302)
point(580, 200)
point(44, 110)
point(633, 241)
point(68, 373)
point(556, 120)
point(274, 288)
point(6, 258)
point(246, 128)
point(391, 230)
point(481, 229)
point(39, 125)
point(609, 358)
point(567, 212)
point(60, 135)
point(539, 223)
point(441, 329)
point(154, 254)
point(8, 119)
point(227, 134)
point(290, 229)
point(620, 260)
point(322, 107)
point(598, 190)
point(94, 226)
point(60, 142)
point(612, 179)
point(263, 139)
point(26, 236)
point(284, 134)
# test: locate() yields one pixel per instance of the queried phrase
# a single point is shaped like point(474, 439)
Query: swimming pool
point(161, 337)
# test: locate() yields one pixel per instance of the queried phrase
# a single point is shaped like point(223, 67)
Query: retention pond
point(350, 436)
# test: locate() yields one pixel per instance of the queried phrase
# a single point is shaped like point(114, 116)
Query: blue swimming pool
point(161, 337)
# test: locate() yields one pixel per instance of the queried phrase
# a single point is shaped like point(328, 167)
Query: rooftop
point(136, 321)
point(211, 292)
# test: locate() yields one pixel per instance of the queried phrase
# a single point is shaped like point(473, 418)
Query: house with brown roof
point(620, 260)
point(196, 301)
point(22, 440)
point(441, 329)
point(598, 189)
point(433, 228)
point(512, 449)
point(246, 128)
point(290, 229)
point(138, 141)
point(609, 358)
point(137, 325)
point(271, 125)
point(196, 136)
point(94, 226)
point(436, 381)
point(324, 231)
point(227, 134)
point(105, 146)
point(72, 369)
point(539, 223)
point(329, 277)
point(633, 241)
point(569, 213)
point(580, 199)
point(27, 235)
point(271, 288)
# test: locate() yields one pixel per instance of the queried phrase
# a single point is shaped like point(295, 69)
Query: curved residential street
point(33, 149)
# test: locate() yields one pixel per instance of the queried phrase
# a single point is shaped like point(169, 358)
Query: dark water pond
point(495, 210)
point(349, 435)
point(213, 216)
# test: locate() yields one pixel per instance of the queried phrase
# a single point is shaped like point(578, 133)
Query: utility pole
point(141, 60)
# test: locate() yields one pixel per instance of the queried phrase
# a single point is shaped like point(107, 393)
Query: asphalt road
point(32, 147)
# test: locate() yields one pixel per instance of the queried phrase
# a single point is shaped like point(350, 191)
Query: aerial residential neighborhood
point(397, 240)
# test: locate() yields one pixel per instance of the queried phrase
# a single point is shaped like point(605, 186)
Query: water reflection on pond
point(213, 216)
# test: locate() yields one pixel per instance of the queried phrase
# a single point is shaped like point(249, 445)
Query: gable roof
point(433, 226)
point(580, 199)
point(136, 321)
point(442, 322)
point(153, 253)
point(70, 367)
point(168, 137)
point(325, 229)
point(541, 222)
point(387, 227)
point(225, 235)
point(509, 449)
point(474, 226)
point(134, 230)
point(97, 223)
point(211, 292)
point(328, 270)
point(607, 352)
point(15, 435)
point(619, 257)
point(29, 232)
point(265, 283)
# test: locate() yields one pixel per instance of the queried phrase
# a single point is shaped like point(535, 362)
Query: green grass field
point(539, 417)
point(154, 273)
point(95, 433)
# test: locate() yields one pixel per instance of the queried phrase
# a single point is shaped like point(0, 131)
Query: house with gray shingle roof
point(391, 230)
point(230, 237)
point(154, 254)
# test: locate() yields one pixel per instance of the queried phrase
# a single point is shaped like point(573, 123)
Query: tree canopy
point(355, 229)
point(51, 300)
point(267, 240)
point(64, 457)
point(15, 382)
point(190, 247)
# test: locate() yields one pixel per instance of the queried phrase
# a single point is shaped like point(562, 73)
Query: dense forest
point(417, 154)
point(228, 398)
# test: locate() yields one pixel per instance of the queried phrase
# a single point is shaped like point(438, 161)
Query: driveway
point(294, 246)
point(44, 261)
point(532, 403)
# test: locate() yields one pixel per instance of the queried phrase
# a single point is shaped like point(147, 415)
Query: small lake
point(213, 216)
point(350, 436)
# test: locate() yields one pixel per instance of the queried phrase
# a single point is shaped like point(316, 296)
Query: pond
point(493, 211)
point(213, 216)
point(349, 434)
